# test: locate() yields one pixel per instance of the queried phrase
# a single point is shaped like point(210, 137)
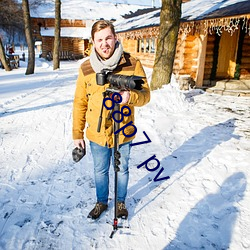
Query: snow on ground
point(87, 10)
point(200, 139)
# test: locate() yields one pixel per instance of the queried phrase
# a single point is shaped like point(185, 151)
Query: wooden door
point(227, 55)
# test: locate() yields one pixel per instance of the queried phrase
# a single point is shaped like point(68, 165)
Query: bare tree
point(11, 24)
point(36, 3)
point(168, 34)
point(3, 57)
point(28, 33)
point(11, 17)
point(56, 59)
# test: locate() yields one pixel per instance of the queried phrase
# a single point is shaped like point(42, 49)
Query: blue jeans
point(102, 158)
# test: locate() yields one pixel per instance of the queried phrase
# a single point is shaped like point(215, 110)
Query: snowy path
point(201, 140)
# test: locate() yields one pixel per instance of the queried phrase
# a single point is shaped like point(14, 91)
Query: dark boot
point(97, 210)
point(122, 211)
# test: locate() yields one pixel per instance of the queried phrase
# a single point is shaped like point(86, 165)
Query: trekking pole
point(117, 156)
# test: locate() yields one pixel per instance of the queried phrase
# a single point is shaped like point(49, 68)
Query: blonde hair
point(101, 24)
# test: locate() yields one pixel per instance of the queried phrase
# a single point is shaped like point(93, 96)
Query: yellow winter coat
point(88, 102)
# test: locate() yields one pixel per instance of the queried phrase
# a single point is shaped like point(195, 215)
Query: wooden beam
point(201, 60)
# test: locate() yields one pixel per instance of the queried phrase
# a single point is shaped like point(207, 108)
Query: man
point(107, 54)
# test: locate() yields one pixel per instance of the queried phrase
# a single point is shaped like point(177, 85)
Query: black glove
point(78, 153)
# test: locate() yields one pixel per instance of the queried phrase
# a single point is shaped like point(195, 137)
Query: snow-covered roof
point(79, 32)
point(191, 11)
point(85, 10)
point(145, 20)
point(205, 9)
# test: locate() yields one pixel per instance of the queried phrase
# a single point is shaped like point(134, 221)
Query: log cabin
point(213, 41)
point(74, 37)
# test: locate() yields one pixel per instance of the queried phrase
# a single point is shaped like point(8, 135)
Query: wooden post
point(201, 60)
point(140, 42)
point(144, 45)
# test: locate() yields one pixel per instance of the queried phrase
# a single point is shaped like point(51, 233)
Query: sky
point(202, 141)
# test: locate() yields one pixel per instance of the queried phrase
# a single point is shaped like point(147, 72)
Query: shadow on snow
point(23, 110)
point(209, 225)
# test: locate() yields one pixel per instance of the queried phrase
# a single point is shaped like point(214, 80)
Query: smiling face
point(104, 42)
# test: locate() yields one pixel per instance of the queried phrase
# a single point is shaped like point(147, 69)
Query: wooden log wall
point(131, 46)
point(47, 45)
point(185, 59)
point(50, 22)
point(66, 44)
point(73, 45)
point(190, 56)
point(186, 55)
point(146, 59)
point(178, 61)
point(79, 46)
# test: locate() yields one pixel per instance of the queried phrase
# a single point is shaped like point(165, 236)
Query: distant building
point(75, 36)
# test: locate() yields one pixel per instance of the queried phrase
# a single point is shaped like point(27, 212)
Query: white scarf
point(98, 64)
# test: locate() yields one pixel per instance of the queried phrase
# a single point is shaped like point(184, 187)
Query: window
point(146, 45)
